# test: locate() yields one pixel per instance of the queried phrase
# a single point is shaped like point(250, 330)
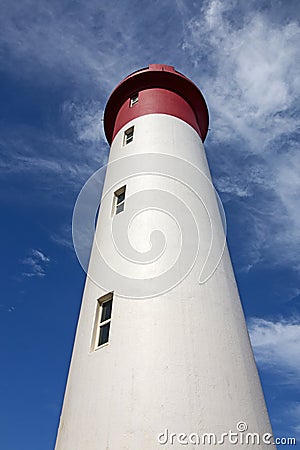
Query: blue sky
point(59, 62)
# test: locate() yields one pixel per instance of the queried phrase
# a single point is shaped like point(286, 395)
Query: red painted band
point(156, 101)
point(161, 90)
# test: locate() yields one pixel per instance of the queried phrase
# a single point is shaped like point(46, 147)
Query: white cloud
point(286, 418)
point(48, 38)
point(232, 186)
point(7, 308)
point(59, 165)
point(40, 255)
point(80, 51)
point(76, 47)
point(62, 41)
point(86, 120)
point(254, 74)
point(248, 67)
point(35, 264)
point(294, 415)
point(276, 346)
point(63, 237)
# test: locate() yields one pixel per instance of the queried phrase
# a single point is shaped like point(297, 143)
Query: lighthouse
point(162, 356)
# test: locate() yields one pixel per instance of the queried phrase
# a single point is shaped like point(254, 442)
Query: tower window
point(134, 99)
point(103, 320)
point(128, 136)
point(119, 200)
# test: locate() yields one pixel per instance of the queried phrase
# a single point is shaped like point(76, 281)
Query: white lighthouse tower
point(162, 356)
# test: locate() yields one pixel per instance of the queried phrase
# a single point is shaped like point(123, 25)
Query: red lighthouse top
point(157, 89)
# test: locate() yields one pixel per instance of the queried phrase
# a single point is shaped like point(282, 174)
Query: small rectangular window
point(134, 99)
point(103, 320)
point(119, 200)
point(128, 136)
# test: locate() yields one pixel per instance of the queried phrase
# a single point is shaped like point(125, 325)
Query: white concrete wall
point(181, 360)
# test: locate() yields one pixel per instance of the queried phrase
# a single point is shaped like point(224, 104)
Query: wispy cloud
point(276, 349)
point(276, 346)
point(233, 185)
point(78, 50)
point(59, 165)
point(35, 264)
point(5, 308)
point(55, 38)
point(88, 43)
point(63, 237)
point(248, 66)
point(86, 120)
point(75, 49)
point(82, 50)
point(294, 414)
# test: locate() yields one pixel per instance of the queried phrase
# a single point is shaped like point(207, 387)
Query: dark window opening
point(103, 320)
point(133, 100)
point(119, 200)
point(128, 136)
